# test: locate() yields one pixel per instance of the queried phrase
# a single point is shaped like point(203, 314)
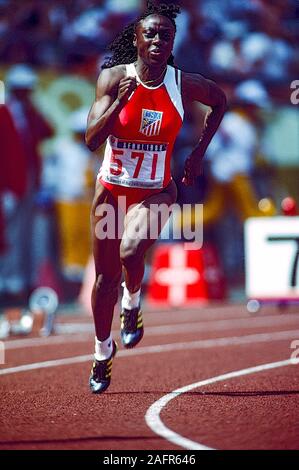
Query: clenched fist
point(193, 168)
point(125, 88)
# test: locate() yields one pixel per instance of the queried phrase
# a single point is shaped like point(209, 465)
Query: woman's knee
point(131, 252)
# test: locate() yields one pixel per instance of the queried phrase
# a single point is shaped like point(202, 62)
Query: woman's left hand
point(193, 168)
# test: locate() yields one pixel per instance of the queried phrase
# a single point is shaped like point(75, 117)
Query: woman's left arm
point(197, 88)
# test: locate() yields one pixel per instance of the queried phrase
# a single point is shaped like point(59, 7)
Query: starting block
point(43, 304)
point(184, 274)
point(16, 321)
point(38, 319)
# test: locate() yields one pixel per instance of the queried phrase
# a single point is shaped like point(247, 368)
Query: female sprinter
point(138, 111)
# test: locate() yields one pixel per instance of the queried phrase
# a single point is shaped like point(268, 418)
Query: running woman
point(138, 112)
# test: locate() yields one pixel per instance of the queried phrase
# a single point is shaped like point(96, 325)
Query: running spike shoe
point(131, 327)
point(100, 377)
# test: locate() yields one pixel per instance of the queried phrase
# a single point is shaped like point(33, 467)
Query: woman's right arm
point(112, 93)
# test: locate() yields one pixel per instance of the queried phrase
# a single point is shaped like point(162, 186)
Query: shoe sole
point(131, 346)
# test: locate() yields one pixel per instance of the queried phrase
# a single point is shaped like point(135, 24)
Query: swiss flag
point(184, 273)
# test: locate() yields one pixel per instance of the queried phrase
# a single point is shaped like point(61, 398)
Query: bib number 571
point(116, 163)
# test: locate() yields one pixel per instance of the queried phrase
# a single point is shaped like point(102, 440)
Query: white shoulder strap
point(179, 83)
point(131, 71)
point(174, 88)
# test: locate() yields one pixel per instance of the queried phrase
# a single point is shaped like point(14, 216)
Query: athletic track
point(175, 390)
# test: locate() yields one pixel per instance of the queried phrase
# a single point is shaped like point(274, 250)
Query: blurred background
point(50, 56)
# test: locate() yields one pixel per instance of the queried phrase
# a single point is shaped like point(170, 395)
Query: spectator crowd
point(235, 39)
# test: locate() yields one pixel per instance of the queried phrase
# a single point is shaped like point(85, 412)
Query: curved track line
point(152, 416)
point(201, 344)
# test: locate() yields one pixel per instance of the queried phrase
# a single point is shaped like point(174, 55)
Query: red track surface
point(51, 408)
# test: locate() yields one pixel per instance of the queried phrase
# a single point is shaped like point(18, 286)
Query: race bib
point(135, 164)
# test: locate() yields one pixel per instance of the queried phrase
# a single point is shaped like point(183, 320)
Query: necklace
point(155, 79)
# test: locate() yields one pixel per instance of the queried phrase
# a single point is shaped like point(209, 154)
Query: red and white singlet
point(138, 151)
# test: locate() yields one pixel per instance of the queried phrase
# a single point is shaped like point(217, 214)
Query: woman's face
point(154, 39)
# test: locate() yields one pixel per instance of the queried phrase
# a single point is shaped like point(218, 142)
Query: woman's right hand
point(125, 88)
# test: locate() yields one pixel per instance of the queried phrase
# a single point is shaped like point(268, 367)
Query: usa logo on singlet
point(151, 122)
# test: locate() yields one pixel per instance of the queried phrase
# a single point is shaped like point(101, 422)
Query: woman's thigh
point(105, 233)
point(144, 222)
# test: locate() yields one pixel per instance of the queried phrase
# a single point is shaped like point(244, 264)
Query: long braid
point(123, 51)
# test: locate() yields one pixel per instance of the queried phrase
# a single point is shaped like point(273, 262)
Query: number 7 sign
point(272, 257)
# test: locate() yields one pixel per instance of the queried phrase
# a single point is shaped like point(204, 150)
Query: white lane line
point(51, 340)
point(200, 344)
point(204, 325)
point(152, 416)
point(72, 332)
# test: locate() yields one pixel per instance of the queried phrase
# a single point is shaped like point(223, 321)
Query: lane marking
point(199, 344)
point(51, 340)
point(203, 325)
point(68, 331)
point(152, 416)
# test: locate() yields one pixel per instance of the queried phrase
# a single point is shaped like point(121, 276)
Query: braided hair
point(122, 48)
